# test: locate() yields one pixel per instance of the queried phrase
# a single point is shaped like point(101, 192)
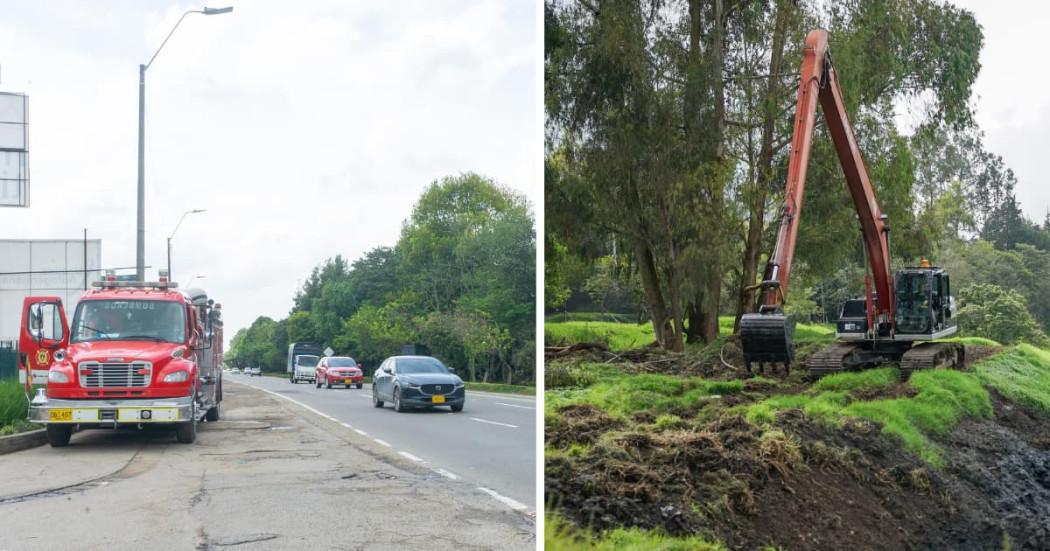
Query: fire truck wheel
point(186, 432)
point(58, 435)
point(213, 414)
point(360, 386)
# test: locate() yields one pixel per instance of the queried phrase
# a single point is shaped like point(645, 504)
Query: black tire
point(292, 379)
point(457, 408)
point(398, 406)
point(186, 431)
point(213, 414)
point(58, 435)
point(359, 386)
point(376, 402)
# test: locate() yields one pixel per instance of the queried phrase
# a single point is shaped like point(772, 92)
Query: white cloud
point(307, 129)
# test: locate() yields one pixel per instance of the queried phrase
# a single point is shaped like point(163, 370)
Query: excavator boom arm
point(820, 82)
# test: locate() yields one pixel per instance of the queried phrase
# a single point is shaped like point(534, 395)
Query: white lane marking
point(494, 422)
point(447, 474)
point(514, 406)
point(347, 425)
point(378, 441)
point(361, 432)
point(516, 505)
point(363, 396)
point(410, 456)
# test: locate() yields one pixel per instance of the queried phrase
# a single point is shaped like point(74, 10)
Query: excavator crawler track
point(834, 359)
point(932, 355)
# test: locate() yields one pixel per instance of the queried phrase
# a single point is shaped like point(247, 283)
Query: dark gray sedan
point(417, 381)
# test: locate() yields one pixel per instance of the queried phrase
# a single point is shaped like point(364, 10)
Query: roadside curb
point(22, 441)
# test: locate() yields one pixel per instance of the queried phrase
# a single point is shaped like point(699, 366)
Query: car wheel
point(360, 386)
point(376, 402)
point(58, 435)
point(457, 408)
point(398, 406)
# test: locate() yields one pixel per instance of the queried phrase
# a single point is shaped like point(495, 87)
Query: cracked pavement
point(269, 475)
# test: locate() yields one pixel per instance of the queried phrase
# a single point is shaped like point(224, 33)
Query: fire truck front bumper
point(110, 412)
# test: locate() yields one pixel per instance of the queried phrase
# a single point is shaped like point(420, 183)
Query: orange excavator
point(894, 322)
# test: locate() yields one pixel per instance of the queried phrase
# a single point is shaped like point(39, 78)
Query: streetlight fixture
point(195, 278)
point(140, 249)
point(184, 215)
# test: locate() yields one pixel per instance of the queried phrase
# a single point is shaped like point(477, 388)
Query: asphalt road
point(268, 475)
point(490, 444)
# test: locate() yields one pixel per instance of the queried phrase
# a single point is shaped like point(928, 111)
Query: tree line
point(460, 280)
point(668, 126)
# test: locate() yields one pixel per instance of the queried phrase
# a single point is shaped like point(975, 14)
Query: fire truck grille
point(115, 375)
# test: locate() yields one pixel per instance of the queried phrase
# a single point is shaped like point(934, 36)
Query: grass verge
point(942, 398)
point(623, 395)
point(1022, 374)
point(524, 390)
point(13, 409)
point(558, 536)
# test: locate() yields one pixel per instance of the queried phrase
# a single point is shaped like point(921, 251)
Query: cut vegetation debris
point(648, 444)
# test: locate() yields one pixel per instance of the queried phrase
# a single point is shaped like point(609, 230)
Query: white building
point(52, 267)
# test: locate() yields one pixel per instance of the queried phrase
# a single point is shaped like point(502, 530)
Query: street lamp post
point(140, 246)
point(183, 217)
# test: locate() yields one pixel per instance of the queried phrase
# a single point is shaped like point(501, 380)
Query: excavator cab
point(925, 309)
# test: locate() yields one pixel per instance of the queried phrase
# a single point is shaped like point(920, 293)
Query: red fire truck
point(136, 353)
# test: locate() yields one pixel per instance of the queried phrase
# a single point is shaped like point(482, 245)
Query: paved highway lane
point(490, 444)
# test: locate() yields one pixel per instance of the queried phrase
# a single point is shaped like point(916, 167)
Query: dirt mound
point(799, 485)
point(580, 424)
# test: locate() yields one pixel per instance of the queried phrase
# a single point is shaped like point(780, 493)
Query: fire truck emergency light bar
point(137, 284)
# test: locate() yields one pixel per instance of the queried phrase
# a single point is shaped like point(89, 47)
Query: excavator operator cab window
point(915, 302)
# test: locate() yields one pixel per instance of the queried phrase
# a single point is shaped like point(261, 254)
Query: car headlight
point(412, 385)
point(177, 377)
point(459, 384)
point(55, 376)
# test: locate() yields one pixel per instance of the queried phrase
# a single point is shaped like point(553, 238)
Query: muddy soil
point(808, 487)
point(1006, 462)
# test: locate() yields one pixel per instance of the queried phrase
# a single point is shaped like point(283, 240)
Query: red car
point(339, 370)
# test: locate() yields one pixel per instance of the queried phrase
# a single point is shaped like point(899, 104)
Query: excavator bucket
point(767, 337)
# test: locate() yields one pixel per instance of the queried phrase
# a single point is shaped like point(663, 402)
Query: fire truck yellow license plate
point(437, 399)
point(347, 381)
point(60, 414)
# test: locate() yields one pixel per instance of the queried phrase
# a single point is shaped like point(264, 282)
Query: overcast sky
point(1013, 106)
point(306, 129)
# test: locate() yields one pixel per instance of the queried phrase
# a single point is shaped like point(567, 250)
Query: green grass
point(656, 393)
point(13, 408)
point(504, 388)
point(980, 341)
point(625, 336)
point(558, 536)
point(944, 398)
point(1021, 373)
point(619, 336)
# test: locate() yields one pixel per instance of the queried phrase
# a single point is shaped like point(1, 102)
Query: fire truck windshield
point(148, 320)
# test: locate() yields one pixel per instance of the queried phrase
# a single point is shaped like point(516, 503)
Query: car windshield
point(341, 362)
point(306, 361)
point(149, 320)
point(420, 365)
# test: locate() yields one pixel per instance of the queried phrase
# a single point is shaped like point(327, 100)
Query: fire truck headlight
point(55, 376)
point(177, 377)
point(60, 355)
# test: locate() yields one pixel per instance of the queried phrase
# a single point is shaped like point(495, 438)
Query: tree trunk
point(764, 174)
point(653, 297)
